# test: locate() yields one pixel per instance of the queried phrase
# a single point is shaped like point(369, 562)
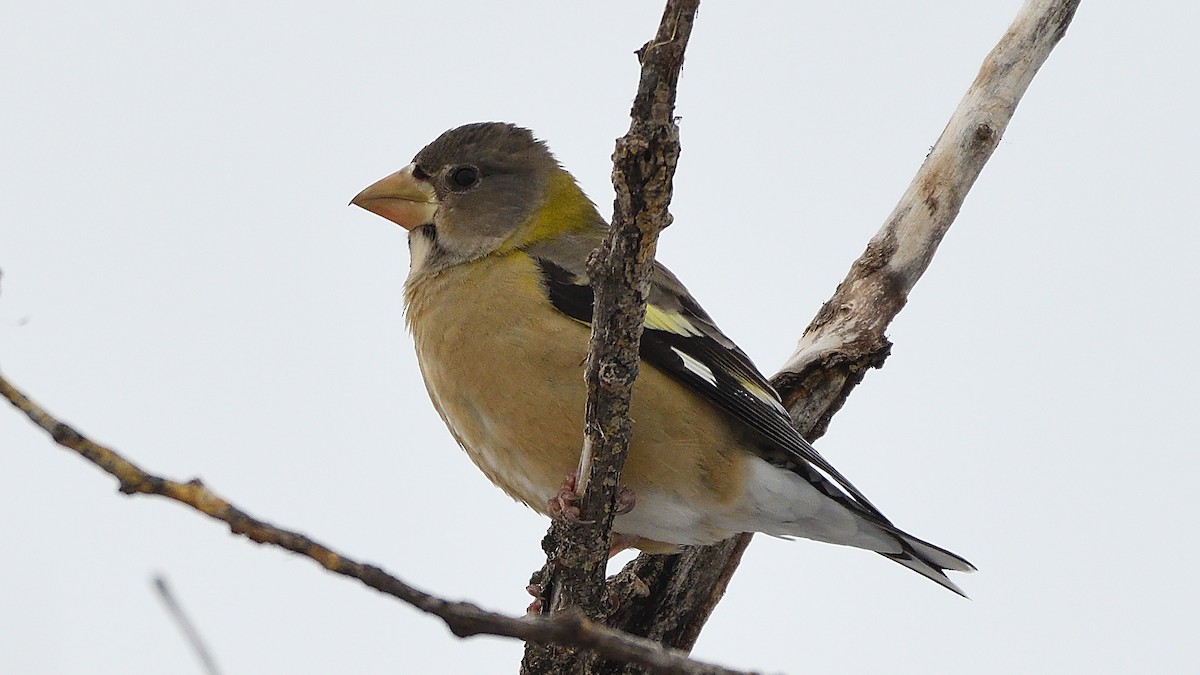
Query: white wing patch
point(696, 367)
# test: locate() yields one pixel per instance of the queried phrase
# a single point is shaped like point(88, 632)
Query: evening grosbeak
point(499, 304)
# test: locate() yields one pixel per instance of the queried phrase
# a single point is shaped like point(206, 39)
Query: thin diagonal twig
point(190, 634)
point(463, 618)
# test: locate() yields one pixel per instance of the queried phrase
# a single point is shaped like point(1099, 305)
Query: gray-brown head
point(480, 189)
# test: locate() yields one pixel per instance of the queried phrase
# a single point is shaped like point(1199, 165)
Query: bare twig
point(180, 617)
point(463, 618)
point(847, 336)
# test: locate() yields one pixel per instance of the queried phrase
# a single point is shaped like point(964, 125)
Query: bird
point(499, 304)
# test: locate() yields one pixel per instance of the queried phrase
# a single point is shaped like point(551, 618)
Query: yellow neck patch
point(565, 209)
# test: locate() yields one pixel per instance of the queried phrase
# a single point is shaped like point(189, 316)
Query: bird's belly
point(493, 387)
point(514, 395)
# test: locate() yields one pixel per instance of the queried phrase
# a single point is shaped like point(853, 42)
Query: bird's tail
point(928, 560)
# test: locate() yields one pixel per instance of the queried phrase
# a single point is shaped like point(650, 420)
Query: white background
point(184, 281)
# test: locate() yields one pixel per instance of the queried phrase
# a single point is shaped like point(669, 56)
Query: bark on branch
point(643, 167)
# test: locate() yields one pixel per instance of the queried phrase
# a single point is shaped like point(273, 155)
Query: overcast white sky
point(184, 281)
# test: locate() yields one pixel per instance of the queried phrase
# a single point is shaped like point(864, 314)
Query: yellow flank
point(499, 361)
point(671, 322)
point(566, 207)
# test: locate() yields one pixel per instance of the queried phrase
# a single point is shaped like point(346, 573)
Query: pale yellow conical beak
point(401, 198)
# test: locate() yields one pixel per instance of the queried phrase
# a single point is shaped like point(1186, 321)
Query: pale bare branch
point(847, 336)
point(851, 324)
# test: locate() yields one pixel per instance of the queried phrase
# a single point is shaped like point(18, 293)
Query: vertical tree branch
point(643, 167)
point(847, 336)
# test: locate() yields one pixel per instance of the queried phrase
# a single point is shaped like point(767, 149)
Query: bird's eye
point(464, 176)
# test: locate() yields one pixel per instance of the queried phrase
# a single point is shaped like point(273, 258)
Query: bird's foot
point(535, 607)
point(565, 504)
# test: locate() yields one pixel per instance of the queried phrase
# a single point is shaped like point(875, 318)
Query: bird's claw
point(565, 504)
point(535, 607)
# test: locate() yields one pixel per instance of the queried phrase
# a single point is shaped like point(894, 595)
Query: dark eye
point(464, 176)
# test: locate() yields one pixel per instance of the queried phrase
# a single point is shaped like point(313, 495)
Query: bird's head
point(480, 189)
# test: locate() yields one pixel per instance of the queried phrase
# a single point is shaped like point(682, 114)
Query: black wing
point(681, 340)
